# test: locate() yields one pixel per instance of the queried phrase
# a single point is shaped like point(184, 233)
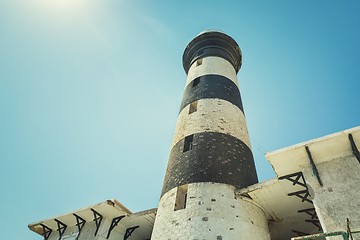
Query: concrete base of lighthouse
point(201, 211)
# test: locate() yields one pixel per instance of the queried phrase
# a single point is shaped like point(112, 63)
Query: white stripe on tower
point(212, 115)
point(211, 65)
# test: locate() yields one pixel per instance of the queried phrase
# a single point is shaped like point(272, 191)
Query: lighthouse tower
point(210, 155)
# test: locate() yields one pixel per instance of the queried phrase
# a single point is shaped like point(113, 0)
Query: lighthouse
point(210, 156)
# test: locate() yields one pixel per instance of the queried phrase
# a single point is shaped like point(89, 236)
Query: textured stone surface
point(212, 115)
point(212, 212)
point(214, 157)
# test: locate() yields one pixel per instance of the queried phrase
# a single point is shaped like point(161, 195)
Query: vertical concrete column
point(338, 199)
point(210, 155)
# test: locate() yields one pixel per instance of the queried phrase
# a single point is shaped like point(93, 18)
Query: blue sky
point(90, 92)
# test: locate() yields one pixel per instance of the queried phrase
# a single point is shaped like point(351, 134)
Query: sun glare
point(63, 3)
point(63, 7)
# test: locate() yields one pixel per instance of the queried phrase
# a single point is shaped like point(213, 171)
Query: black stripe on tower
point(212, 86)
point(210, 157)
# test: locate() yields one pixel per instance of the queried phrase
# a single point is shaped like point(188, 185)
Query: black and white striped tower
point(210, 155)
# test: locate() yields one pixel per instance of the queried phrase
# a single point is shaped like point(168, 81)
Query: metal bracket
point(348, 228)
point(309, 211)
point(47, 231)
point(303, 194)
point(97, 219)
point(299, 179)
point(299, 233)
point(354, 148)
point(129, 231)
point(114, 223)
point(61, 227)
point(312, 163)
point(80, 223)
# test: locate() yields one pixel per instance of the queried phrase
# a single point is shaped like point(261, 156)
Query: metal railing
point(345, 235)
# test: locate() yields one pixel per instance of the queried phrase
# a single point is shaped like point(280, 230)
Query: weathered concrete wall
point(212, 212)
point(339, 197)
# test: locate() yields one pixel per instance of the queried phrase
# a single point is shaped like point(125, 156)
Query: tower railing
point(345, 235)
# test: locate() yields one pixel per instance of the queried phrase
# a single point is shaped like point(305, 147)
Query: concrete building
point(211, 189)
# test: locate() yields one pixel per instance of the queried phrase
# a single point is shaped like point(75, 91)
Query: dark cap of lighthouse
point(212, 43)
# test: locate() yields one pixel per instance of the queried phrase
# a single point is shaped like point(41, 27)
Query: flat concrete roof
point(294, 158)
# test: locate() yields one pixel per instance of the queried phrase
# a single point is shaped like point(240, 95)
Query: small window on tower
point(198, 62)
point(181, 196)
point(188, 143)
point(196, 82)
point(193, 107)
